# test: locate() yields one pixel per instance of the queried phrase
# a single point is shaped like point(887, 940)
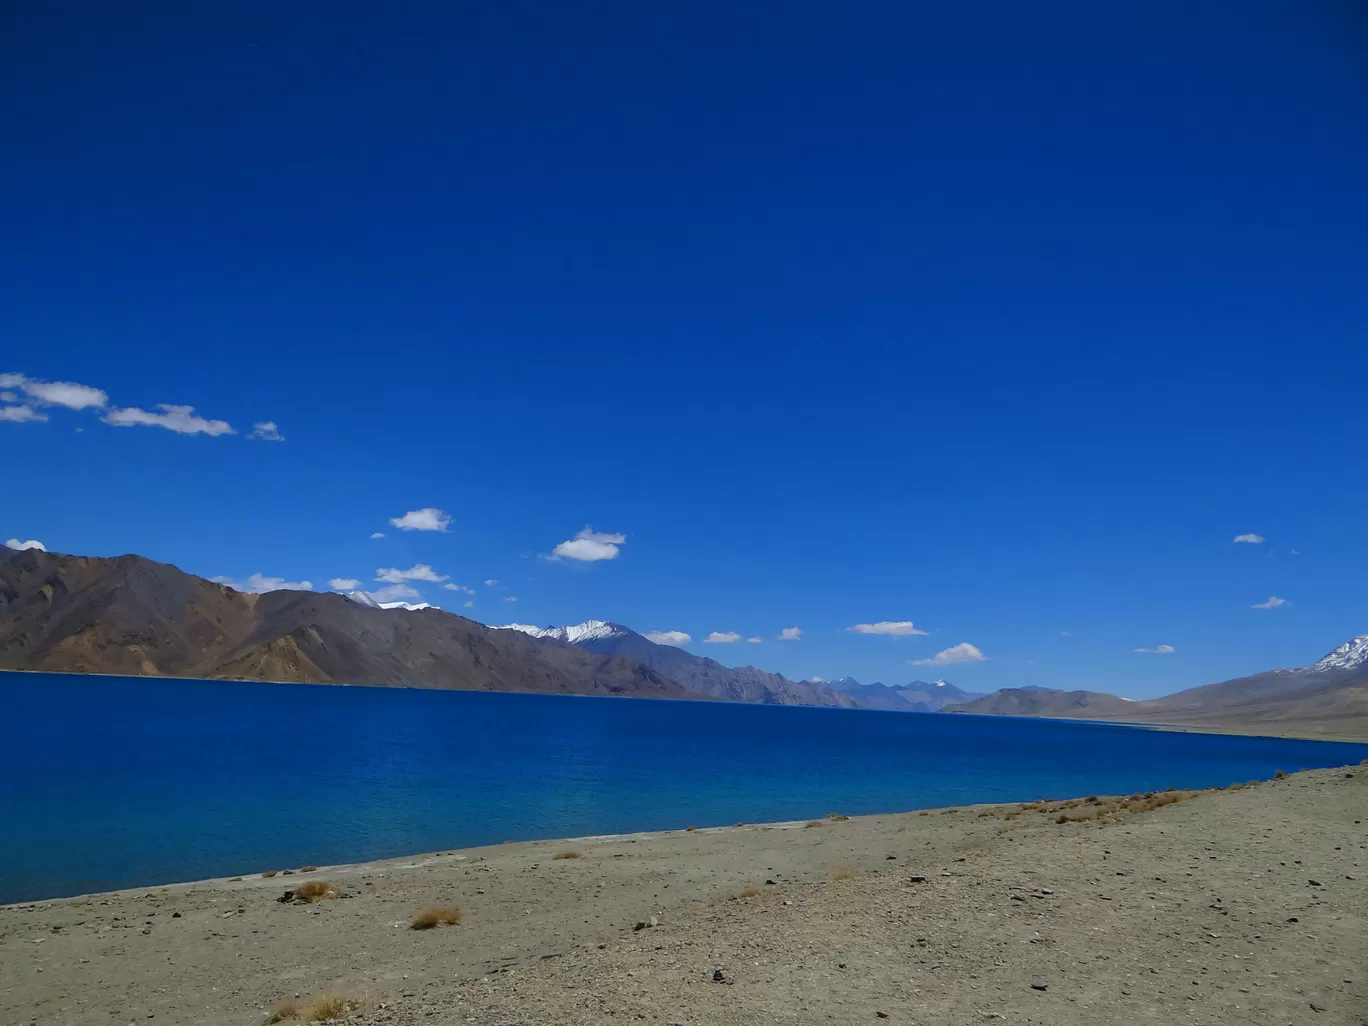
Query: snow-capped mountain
point(363, 598)
point(576, 634)
point(1349, 656)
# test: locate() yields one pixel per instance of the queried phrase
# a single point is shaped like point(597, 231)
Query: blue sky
point(1002, 321)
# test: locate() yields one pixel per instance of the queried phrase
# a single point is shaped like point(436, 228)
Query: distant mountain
point(918, 696)
point(1327, 698)
point(130, 615)
point(704, 677)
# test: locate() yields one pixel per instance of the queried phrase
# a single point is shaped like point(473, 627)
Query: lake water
point(110, 782)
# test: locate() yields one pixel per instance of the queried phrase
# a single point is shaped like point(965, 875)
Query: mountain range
point(918, 696)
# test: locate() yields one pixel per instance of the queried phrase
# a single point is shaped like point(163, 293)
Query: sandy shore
point(1247, 906)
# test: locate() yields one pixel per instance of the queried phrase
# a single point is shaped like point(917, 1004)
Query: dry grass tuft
point(308, 869)
point(924, 812)
point(812, 823)
point(567, 855)
point(836, 817)
point(843, 873)
point(749, 892)
point(437, 915)
point(691, 828)
point(317, 890)
point(326, 1007)
point(949, 812)
point(270, 873)
point(1280, 775)
point(235, 879)
point(285, 1008)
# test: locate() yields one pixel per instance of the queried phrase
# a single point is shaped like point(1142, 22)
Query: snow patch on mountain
point(412, 607)
point(365, 598)
point(1349, 656)
point(575, 634)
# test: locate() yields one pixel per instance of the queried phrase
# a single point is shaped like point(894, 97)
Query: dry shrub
point(1063, 817)
point(812, 823)
point(235, 879)
point(843, 873)
point(749, 892)
point(987, 812)
point(924, 812)
point(317, 890)
point(270, 873)
point(948, 812)
point(691, 828)
point(567, 855)
point(836, 817)
point(285, 1008)
point(1237, 787)
point(328, 1006)
point(1011, 815)
point(1279, 775)
point(308, 869)
point(437, 915)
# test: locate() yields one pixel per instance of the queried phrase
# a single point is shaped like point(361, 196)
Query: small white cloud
point(510, 598)
point(961, 653)
point(892, 628)
point(1250, 539)
point(429, 518)
point(469, 604)
point(377, 534)
point(1273, 603)
point(755, 641)
point(57, 393)
point(20, 546)
point(180, 419)
point(1294, 552)
point(417, 572)
point(721, 638)
point(21, 414)
point(395, 593)
point(344, 584)
point(266, 431)
point(590, 546)
point(1065, 634)
point(814, 679)
point(451, 586)
point(791, 634)
point(259, 584)
point(668, 637)
point(491, 582)
point(1158, 649)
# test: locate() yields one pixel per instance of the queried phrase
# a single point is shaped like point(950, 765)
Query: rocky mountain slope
point(131, 615)
point(918, 696)
point(704, 677)
point(1327, 698)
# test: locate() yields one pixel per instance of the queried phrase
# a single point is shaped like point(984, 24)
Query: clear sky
point(1002, 319)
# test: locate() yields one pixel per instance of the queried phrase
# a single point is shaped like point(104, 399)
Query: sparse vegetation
point(843, 873)
point(836, 817)
point(270, 873)
point(567, 855)
point(749, 892)
point(235, 879)
point(326, 1007)
point(437, 915)
point(924, 812)
point(285, 1008)
point(1279, 775)
point(308, 869)
point(691, 828)
point(317, 890)
point(812, 823)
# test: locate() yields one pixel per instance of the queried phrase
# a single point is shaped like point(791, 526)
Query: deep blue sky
point(1003, 319)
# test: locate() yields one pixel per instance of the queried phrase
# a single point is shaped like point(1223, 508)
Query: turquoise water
point(119, 782)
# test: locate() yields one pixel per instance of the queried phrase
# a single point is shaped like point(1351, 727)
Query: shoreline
point(1293, 733)
point(1073, 913)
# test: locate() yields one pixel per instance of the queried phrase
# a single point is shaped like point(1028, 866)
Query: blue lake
point(110, 782)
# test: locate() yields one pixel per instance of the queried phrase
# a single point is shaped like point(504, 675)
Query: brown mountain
point(1327, 699)
point(130, 615)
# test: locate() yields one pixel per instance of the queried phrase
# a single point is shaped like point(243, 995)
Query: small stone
point(1040, 986)
point(1294, 919)
point(175, 915)
point(1315, 883)
point(890, 858)
point(770, 883)
point(916, 879)
point(722, 976)
point(1317, 1008)
point(882, 1015)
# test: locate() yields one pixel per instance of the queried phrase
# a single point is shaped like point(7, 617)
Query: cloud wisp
point(1273, 602)
point(590, 546)
point(344, 584)
point(668, 637)
point(961, 653)
point(721, 638)
point(266, 431)
point(429, 518)
point(1157, 650)
point(417, 572)
point(791, 634)
point(888, 628)
point(259, 584)
point(180, 419)
point(1249, 539)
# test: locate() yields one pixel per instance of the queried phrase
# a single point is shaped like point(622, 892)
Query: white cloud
point(961, 653)
point(9, 397)
point(20, 546)
point(1158, 649)
point(344, 584)
point(180, 419)
point(510, 598)
point(417, 572)
point(266, 431)
point(1065, 634)
point(258, 584)
point(1294, 552)
point(892, 628)
point(668, 637)
point(56, 393)
point(722, 638)
point(395, 593)
point(1273, 603)
point(755, 641)
point(377, 534)
point(814, 679)
point(459, 587)
point(1250, 539)
point(590, 546)
point(491, 582)
point(429, 518)
point(21, 414)
point(469, 604)
point(791, 634)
